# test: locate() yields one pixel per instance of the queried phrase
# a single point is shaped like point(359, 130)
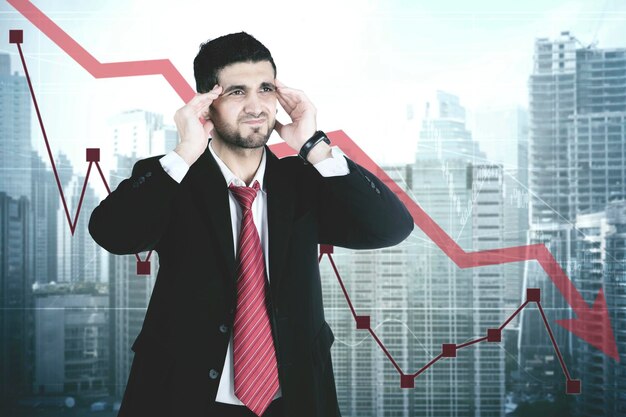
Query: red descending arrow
point(592, 324)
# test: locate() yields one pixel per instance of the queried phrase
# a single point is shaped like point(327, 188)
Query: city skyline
point(382, 44)
point(446, 177)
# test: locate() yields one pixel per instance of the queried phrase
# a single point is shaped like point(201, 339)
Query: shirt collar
point(230, 177)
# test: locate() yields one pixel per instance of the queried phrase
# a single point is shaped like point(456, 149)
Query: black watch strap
point(309, 144)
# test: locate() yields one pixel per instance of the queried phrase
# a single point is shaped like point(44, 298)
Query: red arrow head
point(593, 325)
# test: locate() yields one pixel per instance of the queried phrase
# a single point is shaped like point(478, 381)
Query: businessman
point(235, 325)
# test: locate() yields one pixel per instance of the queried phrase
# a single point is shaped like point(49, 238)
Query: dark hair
point(217, 53)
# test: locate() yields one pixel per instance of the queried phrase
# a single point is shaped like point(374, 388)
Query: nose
point(253, 104)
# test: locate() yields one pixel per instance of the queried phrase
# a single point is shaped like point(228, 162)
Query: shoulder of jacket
point(146, 162)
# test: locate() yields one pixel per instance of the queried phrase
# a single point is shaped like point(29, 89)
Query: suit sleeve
point(358, 211)
point(135, 215)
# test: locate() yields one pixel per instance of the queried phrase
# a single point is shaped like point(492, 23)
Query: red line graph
point(93, 156)
point(449, 349)
point(586, 316)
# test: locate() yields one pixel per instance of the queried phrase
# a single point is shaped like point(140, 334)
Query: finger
point(285, 105)
point(286, 89)
point(213, 94)
point(216, 90)
point(200, 107)
point(205, 111)
point(292, 97)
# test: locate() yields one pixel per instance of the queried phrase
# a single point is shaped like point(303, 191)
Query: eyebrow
point(244, 88)
point(234, 87)
point(266, 84)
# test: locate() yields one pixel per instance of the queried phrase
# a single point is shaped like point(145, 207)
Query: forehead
point(246, 73)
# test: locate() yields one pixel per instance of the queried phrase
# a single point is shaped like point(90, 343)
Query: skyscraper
point(600, 262)
point(453, 305)
point(378, 283)
point(577, 158)
point(16, 327)
point(489, 284)
point(71, 341)
point(45, 204)
point(15, 141)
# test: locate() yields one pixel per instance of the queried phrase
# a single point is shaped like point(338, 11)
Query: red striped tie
point(256, 369)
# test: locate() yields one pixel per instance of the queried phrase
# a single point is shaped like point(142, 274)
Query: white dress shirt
point(177, 168)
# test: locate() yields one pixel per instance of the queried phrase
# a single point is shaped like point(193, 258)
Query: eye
point(267, 89)
point(237, 92)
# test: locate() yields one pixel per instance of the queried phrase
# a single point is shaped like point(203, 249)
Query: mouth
point(254, 121)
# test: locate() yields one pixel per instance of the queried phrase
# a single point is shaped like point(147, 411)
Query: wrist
point(319, 152)
point(188, 154)
point(315, 149)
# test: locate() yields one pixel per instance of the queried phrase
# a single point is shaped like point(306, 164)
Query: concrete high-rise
point(378, 283)
point(600, 263)
point(453, 305)
point(15, 140)
point(577, 158)
point(45, 204)
point(489, 288)
point(16, 326)
point(71, 340)
point(141, 133)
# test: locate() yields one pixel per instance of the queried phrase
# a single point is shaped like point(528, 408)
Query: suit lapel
point(210, 193)
point(280, 211)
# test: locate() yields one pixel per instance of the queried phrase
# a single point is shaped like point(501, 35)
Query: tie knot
point(245, 195)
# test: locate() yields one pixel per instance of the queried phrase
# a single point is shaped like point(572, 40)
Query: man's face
point(245, 113)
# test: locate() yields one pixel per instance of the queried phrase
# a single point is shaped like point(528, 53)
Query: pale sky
point(360, 62)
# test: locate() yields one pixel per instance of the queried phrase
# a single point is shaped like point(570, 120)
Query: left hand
point(302, 113)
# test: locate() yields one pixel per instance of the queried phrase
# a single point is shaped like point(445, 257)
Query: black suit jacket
point(180, 351)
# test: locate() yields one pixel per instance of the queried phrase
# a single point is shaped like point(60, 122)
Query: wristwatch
point(309, 144)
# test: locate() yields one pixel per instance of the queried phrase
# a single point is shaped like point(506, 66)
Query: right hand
point(194, 126)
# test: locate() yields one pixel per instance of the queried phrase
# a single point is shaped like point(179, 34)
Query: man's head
point(245, 113)
point(226, 50)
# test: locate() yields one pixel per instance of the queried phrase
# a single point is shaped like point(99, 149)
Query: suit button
point(148, 174)
point(223, 328)
point(213, 374)
point(141, 180)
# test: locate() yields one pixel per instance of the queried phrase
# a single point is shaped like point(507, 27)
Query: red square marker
point(573, 386)
point(326, 249)
point(16, 36)
point(362, 322)
point(93, 154)
point(449, 350)
point(143, 267)
point(407, 381)
point(533, 294)
point(493, 335)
